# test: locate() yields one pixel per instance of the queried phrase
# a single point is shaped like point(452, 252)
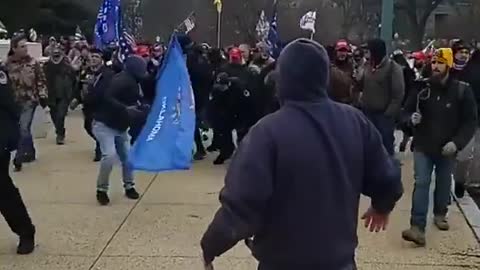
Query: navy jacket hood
point(303, 71)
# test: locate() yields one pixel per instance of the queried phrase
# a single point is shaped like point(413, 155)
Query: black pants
point(87, 125)
point(11, 204)
point(225, 141)
point(58, 112)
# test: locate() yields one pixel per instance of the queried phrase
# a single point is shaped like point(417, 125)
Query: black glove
point(144, 107)
point(43, 102)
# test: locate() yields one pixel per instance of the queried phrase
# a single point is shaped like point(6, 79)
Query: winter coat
point(27, 78)
point(61, 80)
point(449, 113)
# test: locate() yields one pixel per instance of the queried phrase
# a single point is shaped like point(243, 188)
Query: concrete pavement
point(162, 229)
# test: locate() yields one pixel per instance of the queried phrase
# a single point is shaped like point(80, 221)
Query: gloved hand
point(416, 118)
point(144, 107)
point(43, 102)
point(449, 149)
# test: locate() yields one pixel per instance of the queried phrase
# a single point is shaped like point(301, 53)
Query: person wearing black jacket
point(119, 107)
point(97, 81)
point(61, 81)
point(217, 61)
point(444, 118)
point(229, 96)
point(12, 207)
point(465, 165)
point(201, 76)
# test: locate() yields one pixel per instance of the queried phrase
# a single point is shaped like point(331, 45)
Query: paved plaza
point(163, 229)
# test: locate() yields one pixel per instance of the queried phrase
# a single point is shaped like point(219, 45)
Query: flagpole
point(183, 22)
point(314, 26)
point(219, 29)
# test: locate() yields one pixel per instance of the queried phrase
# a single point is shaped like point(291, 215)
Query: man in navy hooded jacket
point(294, 183)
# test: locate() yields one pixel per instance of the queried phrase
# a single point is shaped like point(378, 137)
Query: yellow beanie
point(444, 55)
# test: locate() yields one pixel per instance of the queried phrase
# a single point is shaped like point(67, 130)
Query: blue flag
point(108, 24)
point(273, 39)
point(166, 141)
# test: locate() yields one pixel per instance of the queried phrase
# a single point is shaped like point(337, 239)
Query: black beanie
point(458, 45)
point(378, 50)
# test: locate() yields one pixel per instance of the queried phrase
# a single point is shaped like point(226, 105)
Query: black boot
point(199, 155)
point(26, 244)
point(102, 198)
point(132, 194)
point(60, 140)
point(27, 158)
point(17, 165)
point(98, 155)
point(403, 147)
point(221, 159)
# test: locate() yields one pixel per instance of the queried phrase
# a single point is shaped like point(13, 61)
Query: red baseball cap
point(142, 50)
point(235, 54)
point(342, 45)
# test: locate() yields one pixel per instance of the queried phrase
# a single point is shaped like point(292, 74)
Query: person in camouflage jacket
point(29, 86)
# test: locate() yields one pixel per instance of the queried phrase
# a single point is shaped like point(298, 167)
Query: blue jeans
point(112, 143)
point(386, 127)
point(423, 169)
point(25, 143)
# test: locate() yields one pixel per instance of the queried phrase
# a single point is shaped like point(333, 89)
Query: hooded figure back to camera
point(294, 184)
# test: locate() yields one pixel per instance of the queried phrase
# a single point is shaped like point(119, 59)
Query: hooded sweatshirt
point(295, 182)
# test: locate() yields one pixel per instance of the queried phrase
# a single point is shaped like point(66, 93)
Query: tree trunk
point(417, 29)
point(417, 38)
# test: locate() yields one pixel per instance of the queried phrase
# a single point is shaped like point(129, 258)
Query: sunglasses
point(438, 62)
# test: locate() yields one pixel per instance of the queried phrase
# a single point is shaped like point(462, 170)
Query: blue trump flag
point(109, 23)
point(166, 141)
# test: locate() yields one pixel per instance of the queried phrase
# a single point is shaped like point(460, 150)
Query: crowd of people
point(338, 106)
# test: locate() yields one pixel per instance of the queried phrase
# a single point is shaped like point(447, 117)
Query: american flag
point(127, 45)
point(263, 27)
